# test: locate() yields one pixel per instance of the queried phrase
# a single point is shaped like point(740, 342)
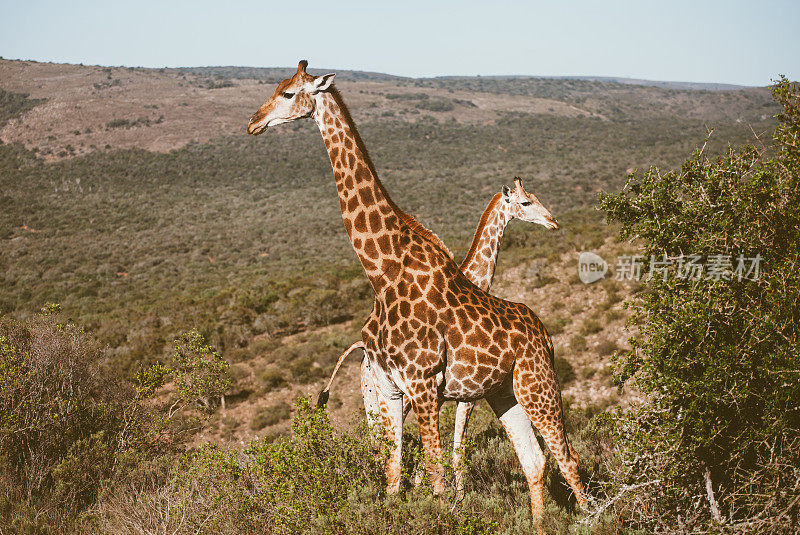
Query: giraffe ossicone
point(440, 337)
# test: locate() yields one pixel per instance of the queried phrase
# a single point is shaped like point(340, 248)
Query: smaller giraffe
point(479, 266)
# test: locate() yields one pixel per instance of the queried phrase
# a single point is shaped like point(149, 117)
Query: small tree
point(65, 426)
point(200, 372)
point(717, 357)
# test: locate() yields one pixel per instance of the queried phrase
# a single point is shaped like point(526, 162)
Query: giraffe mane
point(423, 231)
point(414, 225)
point(473, 248)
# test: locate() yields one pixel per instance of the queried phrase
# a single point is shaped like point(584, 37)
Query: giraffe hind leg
point(463, 412)
point(519, 430)
point(382, 398)
point(542, 404)
point(393, 426)
point(374, 405)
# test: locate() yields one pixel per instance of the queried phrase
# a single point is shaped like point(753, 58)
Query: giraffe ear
point(506, 193)
point(323, 83)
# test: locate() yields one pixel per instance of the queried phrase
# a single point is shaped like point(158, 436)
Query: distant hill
point(691, 86)
point(695, 86)
point(76, 109)
point(279, 73)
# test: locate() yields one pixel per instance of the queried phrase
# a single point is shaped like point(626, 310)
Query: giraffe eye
point(525, 203)
point(288, 95)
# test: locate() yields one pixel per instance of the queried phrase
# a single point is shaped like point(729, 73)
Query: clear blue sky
point(740, 42)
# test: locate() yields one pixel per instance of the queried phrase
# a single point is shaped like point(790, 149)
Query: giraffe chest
point(404, 333)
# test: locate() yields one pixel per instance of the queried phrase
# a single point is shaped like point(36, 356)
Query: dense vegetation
point(83, 452)
point(717, 444)
point(64, 425)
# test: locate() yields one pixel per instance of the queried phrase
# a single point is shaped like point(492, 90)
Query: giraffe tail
point(322, 398)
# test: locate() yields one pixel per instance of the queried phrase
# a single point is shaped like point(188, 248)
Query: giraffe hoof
point(322, 399)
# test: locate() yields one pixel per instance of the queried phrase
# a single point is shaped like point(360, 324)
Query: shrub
point(606, 347)
point(272, 377)
point(556, 324)
point(64, 426)
point(564, 371)
point(436, 104)
point(126, 123)
point(15, 104)
point(316, 481)
point(717, 357)
point(578, 343)
point(612, 298)
point(218, 84)
point(590, 326)
point(201, 374)
point(230, 423)
point(238, 373)
point(270, 415)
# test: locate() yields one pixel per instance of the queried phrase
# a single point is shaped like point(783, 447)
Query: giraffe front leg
point(463, 412)
point(419, 472)
point(426, 406)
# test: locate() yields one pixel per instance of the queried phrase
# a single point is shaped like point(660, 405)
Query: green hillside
point(122, 234)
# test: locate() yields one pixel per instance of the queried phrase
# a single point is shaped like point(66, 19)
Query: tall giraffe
point(478, 266)
point(440, 337)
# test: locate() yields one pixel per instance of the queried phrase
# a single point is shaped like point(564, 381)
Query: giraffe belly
point(472, 374)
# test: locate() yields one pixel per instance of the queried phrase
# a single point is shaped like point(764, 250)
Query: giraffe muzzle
point(256, 126)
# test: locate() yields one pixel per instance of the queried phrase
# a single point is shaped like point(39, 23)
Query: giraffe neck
point(373, 222)
point(481, 259)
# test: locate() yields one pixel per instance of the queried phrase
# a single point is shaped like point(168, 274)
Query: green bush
point(15, 104)
point(578, 343)
point(307, 360)
point(318, 480)
point(272, 377)
point(201, 374)
point(717, 357)
point(436, 104)
point(556, 324)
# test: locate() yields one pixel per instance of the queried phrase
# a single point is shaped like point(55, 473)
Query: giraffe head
point(293, 99)
point(525, 206)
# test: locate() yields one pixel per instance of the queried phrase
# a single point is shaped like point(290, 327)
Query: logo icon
point(591, 268)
